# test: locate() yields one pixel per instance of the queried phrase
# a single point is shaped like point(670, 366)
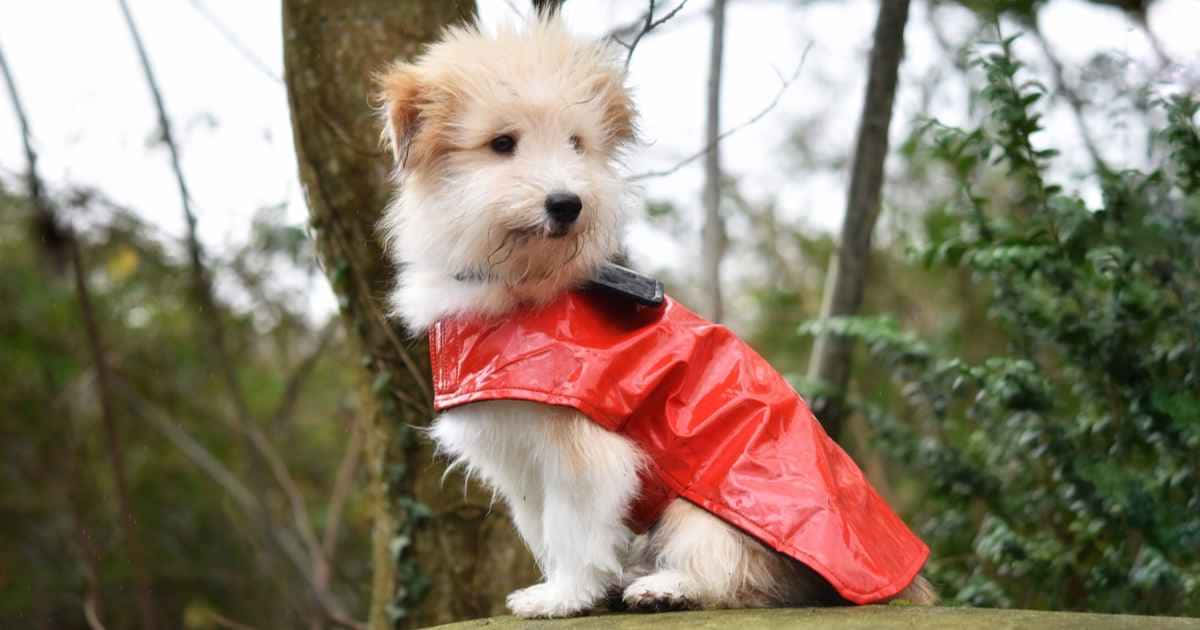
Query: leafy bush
point(1065, 473)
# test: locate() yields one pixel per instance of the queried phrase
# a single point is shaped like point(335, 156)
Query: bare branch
point(89, 613)
point(786, 83)
point(225, 622)
point(295, 382)
point(515, 9)
point(287, 483)
point(201, 281)
point(164, 123)
point(301, 554)
point(403, 353)
point(618, 34)
point(33, 181)
point(196, 452)
point(137, 556)
point(343, 483)
point(1062, 88)
point(92, 602)
point(48, 232)
point(648, 24)
point(1164, 58)
point(371, 305)
point(236, 42)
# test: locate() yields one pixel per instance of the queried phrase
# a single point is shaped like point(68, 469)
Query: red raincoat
point(721, 427)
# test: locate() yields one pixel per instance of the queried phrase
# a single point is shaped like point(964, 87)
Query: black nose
point(563, 207)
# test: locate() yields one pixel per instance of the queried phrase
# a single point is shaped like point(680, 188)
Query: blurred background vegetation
point(186, 442)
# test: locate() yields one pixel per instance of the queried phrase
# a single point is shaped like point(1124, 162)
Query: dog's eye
point(577, 144)
point(504, 145)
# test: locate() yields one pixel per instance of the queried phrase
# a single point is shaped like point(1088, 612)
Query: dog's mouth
point(552, 230)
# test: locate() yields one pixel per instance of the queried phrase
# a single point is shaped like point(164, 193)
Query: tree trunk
point(712, 250)
point(847, 275)
point(439, 555)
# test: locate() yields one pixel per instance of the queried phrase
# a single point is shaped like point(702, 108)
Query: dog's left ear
point(620, 117)
point(400, 95)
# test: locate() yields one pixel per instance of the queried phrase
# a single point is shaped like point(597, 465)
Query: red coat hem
point(716, 507)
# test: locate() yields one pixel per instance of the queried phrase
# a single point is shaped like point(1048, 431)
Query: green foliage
point(58, 518)
point(1063, 472)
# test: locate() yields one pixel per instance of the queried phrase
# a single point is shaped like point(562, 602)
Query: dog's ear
point(620, 117)
point(400, 95)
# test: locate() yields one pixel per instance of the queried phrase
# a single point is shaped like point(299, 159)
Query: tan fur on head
point(538, 70)
point(464, 208)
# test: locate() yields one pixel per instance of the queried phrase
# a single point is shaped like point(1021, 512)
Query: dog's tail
point(919, 592)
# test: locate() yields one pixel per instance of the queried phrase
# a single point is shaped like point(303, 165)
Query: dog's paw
point(659, 592)
point(547, 601)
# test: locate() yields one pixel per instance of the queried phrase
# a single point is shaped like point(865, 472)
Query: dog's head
point(507, 148)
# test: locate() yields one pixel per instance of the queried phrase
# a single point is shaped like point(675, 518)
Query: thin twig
point(164, 123)
point(89, 614)
point(236, 42)
point(225, 622)
point(729, 132)
point(1073, 99)
point(192, 449)
point(402, 351)
point(33, 181)
point(203, 285)
point(112, 436)
point(198, 454)
point(623, 31)
point(295, 382)
point(92, 602)
point(648, 25)
point(515, 9)
point(49, 233)
point(302, 558)
point(343, 483)
point(330, 606)
point(287, 483)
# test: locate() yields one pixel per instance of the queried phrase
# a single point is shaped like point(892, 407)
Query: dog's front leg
point(590, 477)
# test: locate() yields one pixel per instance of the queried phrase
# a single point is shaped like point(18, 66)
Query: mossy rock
point(859, 618)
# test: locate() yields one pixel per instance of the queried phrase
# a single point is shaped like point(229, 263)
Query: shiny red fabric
point(721, 427)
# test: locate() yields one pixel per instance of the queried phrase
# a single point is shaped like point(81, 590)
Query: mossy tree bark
point(439, 555)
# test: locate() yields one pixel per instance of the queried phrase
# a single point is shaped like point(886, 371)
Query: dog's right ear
point(400, 96)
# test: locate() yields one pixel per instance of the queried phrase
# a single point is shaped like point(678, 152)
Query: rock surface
point(859, 618)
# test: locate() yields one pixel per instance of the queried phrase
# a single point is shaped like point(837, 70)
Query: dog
point(508, 151)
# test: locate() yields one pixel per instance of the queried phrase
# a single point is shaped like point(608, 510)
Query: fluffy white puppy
point(507, 148)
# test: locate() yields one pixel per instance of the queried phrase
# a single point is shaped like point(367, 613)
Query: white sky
point(93, 119)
